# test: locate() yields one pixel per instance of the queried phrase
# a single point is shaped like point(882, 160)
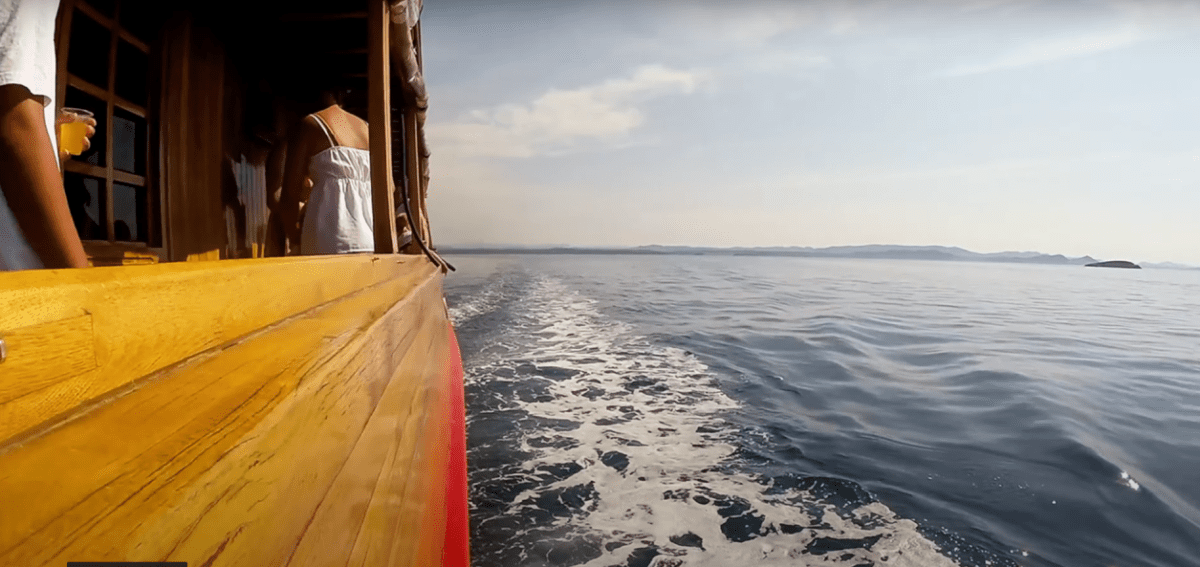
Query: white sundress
point(338, 218)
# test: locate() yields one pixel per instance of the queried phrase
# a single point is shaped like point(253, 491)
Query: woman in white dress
point(328, 173)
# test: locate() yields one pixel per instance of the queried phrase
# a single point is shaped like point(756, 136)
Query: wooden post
point(424, 198)
point(379, 114)
point(413, 170)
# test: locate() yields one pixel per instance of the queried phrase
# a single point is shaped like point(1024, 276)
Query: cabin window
point(105, 62)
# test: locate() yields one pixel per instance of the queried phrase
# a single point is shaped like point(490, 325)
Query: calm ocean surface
point(729, 411)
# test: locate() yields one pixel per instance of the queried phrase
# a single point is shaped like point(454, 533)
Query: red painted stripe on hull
point(457, 549)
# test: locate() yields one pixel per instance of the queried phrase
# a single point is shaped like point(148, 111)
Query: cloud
point(739, 25)
point(1038, 52)
point(785, 61)
point(756, 27)
point(564, 120)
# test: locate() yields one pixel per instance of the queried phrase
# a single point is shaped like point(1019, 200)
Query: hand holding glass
point(75, 126)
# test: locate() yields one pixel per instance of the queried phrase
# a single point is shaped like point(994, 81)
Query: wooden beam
point(107, 123)
point(85, 168)
point(94, 14)
point(379, 116)
point(412, 168)
point(66, 11)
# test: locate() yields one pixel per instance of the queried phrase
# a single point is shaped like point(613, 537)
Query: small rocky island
point(1114, 264)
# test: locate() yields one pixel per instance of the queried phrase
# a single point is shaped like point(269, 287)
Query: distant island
point(1114, 264)
point(875, 251)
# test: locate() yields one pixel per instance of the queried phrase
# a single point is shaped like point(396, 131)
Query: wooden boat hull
point(299, 411)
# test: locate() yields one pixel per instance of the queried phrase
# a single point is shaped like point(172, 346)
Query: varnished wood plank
point(333, 530)
point(396, 491)
point(148, 317)
point(42, 355)
point(292, 464)
point(422, 508)
point(380, 118)
point(219, 460)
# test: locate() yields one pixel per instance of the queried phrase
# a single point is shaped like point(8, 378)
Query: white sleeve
point(27, 45)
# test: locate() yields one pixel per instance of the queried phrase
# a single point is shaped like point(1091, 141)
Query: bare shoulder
point(311, 133)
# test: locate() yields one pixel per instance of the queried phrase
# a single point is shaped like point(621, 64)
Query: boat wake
point(481, 301)
point(592, 446)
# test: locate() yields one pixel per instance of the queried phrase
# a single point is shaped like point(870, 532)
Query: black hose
point(416, 234)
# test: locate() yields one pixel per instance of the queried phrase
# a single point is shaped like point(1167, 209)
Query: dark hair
point(308, 86)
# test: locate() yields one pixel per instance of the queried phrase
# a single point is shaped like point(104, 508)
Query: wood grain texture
point(191, 121)
point(315, 441)
point(379, 101)
point(146, 318)
point(68, 343)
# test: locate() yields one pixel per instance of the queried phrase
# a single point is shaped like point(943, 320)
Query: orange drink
point(71, 134)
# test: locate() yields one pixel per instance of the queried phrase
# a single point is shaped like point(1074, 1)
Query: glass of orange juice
point(71, 134)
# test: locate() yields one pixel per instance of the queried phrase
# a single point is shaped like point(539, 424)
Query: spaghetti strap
point(325, 128)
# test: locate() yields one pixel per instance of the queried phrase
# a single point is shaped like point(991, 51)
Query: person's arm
point(32, 182)
point(295, 174)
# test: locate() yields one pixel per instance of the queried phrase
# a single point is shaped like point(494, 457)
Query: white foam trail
point(483, 302)
point(660, 409)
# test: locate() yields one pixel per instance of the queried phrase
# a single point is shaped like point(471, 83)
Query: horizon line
point(760, 247)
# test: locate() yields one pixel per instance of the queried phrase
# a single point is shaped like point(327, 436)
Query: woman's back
point(338, 216)
point(345, 128)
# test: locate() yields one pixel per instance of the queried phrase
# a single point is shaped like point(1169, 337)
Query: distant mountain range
point(875, 251)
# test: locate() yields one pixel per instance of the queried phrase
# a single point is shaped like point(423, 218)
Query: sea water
point(728, 411)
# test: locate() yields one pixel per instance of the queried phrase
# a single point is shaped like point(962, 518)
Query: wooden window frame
point(110, 250)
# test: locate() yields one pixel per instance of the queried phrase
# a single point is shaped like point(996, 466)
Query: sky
point(1061, 126)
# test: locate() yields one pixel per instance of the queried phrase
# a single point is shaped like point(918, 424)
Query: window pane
point(78, 99)
point(129, 213)
point(129, 142)
point(88, 52)
point(85, 197)
point(131, 73)
point(140, 18)
point(103, 6)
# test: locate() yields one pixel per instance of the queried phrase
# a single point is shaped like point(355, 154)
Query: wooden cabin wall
point(214, 168)
point(192, 120)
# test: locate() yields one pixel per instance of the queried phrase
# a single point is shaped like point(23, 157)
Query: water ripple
point(998, 415)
